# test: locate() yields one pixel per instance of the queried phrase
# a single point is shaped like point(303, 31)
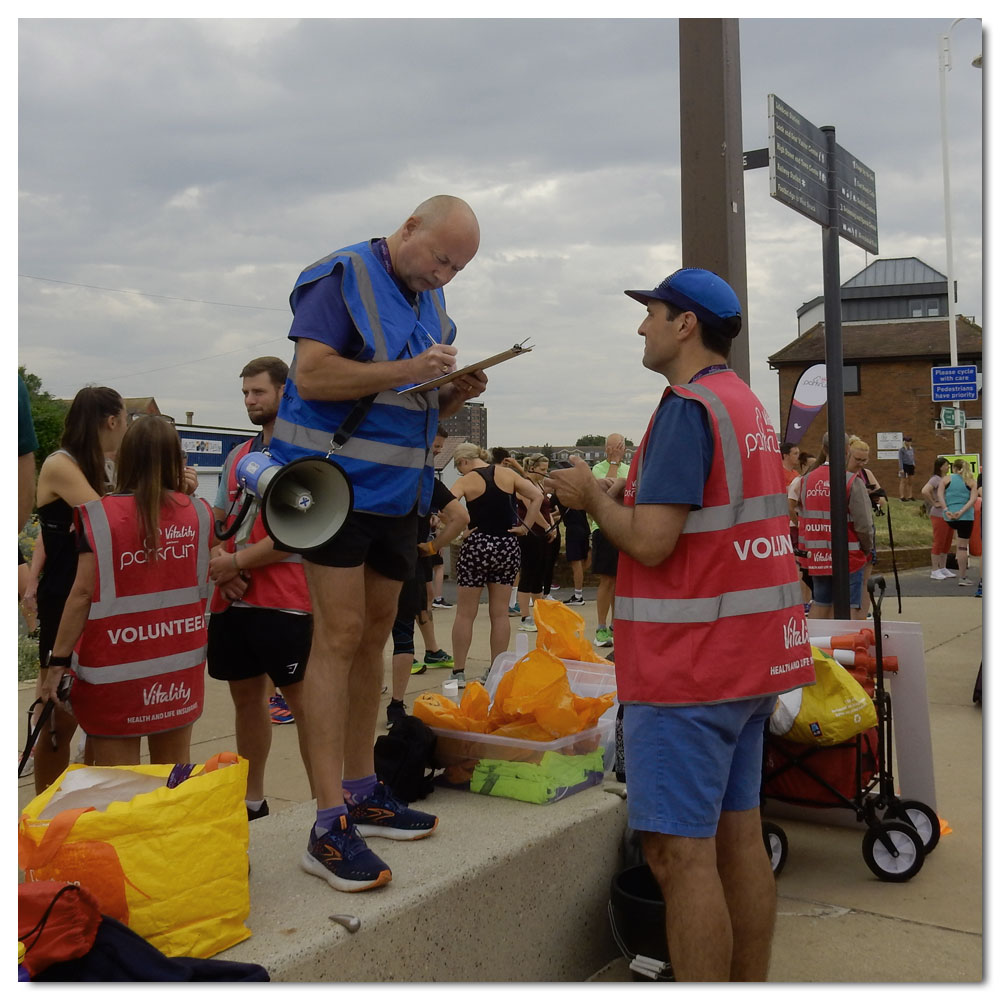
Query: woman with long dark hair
point(81, 470)
point(133, 629)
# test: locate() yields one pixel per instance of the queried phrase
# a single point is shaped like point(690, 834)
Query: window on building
point(852, 380)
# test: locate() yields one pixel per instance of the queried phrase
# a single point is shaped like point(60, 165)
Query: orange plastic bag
point(536, 689)
point(468, 717)
point(533, 701)
point(561, 632)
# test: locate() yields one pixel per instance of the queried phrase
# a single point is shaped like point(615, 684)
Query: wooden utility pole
point(713, 227)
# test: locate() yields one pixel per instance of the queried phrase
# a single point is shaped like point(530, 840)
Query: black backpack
point(404, 759)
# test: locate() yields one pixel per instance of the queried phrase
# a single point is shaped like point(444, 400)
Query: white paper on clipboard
point(516, 351)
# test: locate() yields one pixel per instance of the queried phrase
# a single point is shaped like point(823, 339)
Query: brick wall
point(895, 396)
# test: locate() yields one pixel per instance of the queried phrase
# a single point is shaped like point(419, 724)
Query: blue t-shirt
point(321, 313)
point(678, 454)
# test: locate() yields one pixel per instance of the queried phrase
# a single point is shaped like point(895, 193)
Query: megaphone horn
point(304, 504)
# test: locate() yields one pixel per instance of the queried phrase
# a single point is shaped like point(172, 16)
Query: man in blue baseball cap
point(709, 627)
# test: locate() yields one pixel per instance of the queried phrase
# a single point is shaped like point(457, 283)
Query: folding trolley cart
point(855, 775)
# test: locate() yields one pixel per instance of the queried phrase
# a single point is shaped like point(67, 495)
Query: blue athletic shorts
point(685, 765)
point(823, 588)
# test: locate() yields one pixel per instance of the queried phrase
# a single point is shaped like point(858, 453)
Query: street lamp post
point(944, 66)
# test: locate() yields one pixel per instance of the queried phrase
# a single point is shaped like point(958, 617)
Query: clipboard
point(516, 351)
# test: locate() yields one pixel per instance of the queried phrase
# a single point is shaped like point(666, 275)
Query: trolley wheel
point(893, 850)
point(921, 817)
point(777, 845)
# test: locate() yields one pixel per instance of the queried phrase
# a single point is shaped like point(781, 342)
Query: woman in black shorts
point(489, 556)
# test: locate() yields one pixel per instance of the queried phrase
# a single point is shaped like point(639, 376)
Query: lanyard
point(710, 370)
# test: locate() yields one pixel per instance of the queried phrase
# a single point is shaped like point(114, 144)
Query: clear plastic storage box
point(532, 770)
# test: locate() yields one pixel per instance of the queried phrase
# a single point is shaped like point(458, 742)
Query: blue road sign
point(954, 382)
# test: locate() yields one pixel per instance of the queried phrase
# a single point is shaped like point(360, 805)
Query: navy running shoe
point(342, 857)
point(281, 714)
point(381, 814)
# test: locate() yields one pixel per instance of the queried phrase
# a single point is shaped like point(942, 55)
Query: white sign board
point(887, 444)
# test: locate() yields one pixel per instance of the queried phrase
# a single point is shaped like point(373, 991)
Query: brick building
point(894, 330)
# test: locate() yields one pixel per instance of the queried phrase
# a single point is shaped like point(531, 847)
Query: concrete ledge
point(504, 891)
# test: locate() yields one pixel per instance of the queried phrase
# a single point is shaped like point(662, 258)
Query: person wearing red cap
point(709, 627)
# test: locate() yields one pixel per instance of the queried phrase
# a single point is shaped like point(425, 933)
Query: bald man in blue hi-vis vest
point(369, 319)
point(709, 627)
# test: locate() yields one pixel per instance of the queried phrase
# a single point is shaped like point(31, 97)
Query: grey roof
point(893, 276)
point(895, 271)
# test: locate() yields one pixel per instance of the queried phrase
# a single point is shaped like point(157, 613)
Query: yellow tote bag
point(171, 863)
point(833, 710)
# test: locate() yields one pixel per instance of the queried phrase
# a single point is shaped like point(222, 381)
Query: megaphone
point(304, 503)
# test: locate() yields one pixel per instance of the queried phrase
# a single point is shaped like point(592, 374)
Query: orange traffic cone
point(862, 640)
point(857, 658)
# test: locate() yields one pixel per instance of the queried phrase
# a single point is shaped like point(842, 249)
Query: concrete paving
point(837, 922)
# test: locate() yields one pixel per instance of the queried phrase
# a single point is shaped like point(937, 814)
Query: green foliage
point(593, 440)
point(27, 658)
point(48, 415)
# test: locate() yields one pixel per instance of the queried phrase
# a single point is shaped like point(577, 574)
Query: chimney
point(190, 416)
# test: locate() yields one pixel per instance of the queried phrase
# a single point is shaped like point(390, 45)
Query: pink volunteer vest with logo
point(815, 532)
point(140, 663)
point(721, 618)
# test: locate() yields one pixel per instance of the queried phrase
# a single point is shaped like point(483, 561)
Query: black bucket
point(638, 914)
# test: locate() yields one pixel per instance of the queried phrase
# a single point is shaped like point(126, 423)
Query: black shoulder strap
point(352, 421)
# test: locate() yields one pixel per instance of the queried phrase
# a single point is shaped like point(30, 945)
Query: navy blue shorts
point(823, 589)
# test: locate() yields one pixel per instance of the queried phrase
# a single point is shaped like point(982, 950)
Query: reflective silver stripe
point(731, 460)
point(110, 603)
point(814, 515)
point(367, 293)
point(752, 510)
point(739, 510)
point(357, 447)
point(101, 531)
point(815, 543)
point(147, 602)
point(684, 611)
point(119, 672)
point(206, 527)
point(443, 321)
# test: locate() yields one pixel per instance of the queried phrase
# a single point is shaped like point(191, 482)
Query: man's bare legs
point(253, 728)
point(720, 900)
point(353, 612)
point(751, 893)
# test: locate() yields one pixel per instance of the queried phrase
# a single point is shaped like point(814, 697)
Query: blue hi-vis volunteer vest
point(388, 459)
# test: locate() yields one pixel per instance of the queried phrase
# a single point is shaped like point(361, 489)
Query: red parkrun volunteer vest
point(721, 618)
point(140, 663)
point(815, 532)
point(281, 585)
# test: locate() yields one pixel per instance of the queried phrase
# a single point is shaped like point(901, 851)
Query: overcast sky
point(175, 176)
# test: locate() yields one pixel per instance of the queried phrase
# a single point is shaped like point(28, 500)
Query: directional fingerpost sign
point(812, 174)
point(855, 186)
point(797, 161)
point(802, 176)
